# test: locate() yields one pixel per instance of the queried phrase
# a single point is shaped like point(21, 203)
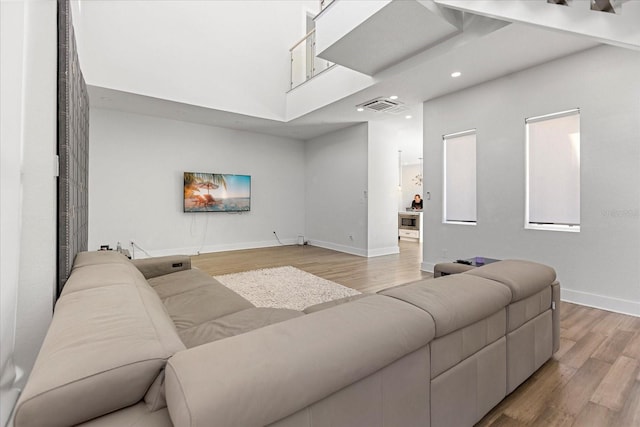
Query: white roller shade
point(553, 169)
point(460, 177)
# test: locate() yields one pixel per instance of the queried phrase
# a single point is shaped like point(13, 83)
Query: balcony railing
point(304, 63)
point(325, 3)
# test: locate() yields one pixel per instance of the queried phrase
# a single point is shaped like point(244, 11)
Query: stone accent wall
point(73, 148)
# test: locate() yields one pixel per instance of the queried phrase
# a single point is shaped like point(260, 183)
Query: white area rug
point(284, 287)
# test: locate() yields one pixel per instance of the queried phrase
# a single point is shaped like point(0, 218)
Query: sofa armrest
point(159, 266)
point(267, 374)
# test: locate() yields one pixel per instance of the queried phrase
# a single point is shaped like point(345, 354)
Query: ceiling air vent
point(383, 105)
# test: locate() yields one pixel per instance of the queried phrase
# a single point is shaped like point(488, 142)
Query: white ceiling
point(396, 32)
point(422, 77)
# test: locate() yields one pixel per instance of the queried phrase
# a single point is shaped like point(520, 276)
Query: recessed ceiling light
point(359, 109)
point(408, 116)
point(393, 97)
point(456, 74)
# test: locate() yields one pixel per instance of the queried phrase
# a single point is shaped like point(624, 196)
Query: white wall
point(339, 20)
point(409, 186)
point(36, 293)
point(328, 87)
point(336, 187)
point(352, 190)
point(600, 265)
point(12, 38)
point(28, 187)
point(383, 189)
point(236, 52)
point(136, 166)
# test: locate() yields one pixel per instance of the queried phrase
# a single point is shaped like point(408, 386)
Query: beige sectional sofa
point(156, 343)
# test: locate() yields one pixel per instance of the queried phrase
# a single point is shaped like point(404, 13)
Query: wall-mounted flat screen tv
point(212, 192)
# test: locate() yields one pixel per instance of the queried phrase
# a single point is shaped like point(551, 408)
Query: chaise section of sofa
point(354, 363)
point(203, 310)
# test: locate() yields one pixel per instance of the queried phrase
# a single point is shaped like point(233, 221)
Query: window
point(460, 177)
point(553, 171)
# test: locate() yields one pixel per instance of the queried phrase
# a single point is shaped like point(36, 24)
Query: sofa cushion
point(524, 278)
point(235, 324)
point(203, 298)
point(271, 372)
point(454, 301)
point(449, 350)
point(134, 416)
point(176, 283)
point(520, 312)
point(99, 257)
point(332, 303)
point(99, 275)
point(104, 348)
point(159, 266)
point(446, 268)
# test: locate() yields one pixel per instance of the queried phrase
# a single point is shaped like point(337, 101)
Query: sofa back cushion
point(99, 257)
point(523, 278)
point(454, 301)
point(104, 348)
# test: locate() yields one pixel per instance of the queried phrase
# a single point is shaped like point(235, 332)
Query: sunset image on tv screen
point(210, 192)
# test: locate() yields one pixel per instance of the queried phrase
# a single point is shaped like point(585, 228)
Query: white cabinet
point(410, 225)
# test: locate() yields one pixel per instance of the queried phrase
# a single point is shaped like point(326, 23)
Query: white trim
point(553, 227)
point(459, 134)
point(601, 302)
point(391, 250)
point(340, 248)
point(193, 251)
point(427, 266)
point(552, 116)
point(526, 174)
point(618, 305)
point(444, 179)
point(460, 222)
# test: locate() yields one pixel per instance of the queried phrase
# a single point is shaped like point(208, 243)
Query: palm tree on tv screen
point(194, 180)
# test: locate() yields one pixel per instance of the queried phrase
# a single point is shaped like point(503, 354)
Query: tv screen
point(212, 192)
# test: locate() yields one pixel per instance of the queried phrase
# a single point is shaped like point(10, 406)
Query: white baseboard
point(340, 248)
point(356, 251)
point(391, 250)
point(192, 251)
point(427, 266)
point(602, 302)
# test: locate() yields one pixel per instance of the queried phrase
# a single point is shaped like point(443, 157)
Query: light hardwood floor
point(363, 274)
point(593, 380)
